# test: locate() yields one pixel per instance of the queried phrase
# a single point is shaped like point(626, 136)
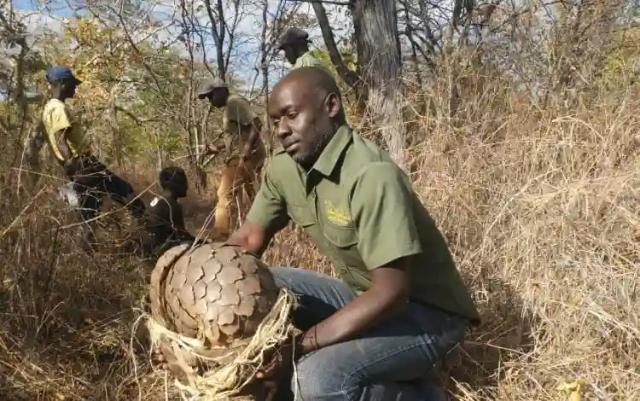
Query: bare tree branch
point(424, 15)
point(136, 119)
point(232, 32)
point(146, 66)
point(348, 76)
point(334, 2)
point(218, 38)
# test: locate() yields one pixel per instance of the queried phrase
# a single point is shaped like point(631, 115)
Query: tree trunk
point(218, 33)
point(348, 76)
point(379, 64)
point(264, 69)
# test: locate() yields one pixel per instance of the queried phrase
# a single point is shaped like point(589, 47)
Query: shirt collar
point(300, 60)
point(331, 153)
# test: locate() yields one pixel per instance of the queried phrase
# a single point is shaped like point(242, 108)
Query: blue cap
point(61, 73)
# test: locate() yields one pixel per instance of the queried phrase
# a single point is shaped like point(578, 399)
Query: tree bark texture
point(379, 64)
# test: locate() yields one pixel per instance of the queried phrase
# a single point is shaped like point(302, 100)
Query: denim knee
point(315, 380)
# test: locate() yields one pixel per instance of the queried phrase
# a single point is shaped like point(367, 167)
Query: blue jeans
point(390, 362)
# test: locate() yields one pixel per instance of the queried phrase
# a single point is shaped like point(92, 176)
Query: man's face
point(218, 97)
point(182, 189)
point(179, 186)
point(290, 53)
point(68, 88)
point(303, 120)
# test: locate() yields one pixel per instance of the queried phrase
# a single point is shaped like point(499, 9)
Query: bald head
point(307, 110)
point(312, 77)
point(311, 82)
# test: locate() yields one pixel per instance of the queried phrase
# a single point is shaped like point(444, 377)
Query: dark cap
point(293, 36)
point(209, 86)
point(61, 73)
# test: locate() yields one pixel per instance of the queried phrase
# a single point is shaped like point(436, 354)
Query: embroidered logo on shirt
point(337, 215)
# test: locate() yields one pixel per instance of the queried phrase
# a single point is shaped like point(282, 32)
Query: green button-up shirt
point(360, 209)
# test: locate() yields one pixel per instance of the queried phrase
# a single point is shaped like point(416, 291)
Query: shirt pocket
point(301, 215)
point(341, 237)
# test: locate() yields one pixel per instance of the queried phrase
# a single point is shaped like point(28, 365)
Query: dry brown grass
point(66, 322)
point(539, 204)
point(540, 211)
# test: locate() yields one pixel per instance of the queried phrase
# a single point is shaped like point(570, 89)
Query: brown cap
point(293, 36)
point(209, 86)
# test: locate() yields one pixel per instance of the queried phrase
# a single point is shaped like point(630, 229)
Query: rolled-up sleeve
point(382, 206)
point(55, 119)
point(269, 208)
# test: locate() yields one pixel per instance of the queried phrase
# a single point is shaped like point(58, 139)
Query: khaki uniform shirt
point(237, 119)
point(360, 209)
point(56, 117)
point(309, 60)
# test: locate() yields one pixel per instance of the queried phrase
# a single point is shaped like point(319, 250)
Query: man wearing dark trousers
point(165, 221)
point(70, 146)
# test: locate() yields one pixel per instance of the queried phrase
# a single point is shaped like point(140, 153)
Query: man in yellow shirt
point(243, 149)
point(295, 44)
point(70, 146)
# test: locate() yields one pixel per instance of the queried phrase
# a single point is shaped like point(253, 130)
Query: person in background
point(295, 44)
point(243, 149)
point(165, 221)
point(70, 146)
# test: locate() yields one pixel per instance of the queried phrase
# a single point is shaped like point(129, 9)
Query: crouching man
point(165, 221)
point(71, 148)
point(398, 305)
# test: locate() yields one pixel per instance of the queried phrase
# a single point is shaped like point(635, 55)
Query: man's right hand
point(251, 237)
